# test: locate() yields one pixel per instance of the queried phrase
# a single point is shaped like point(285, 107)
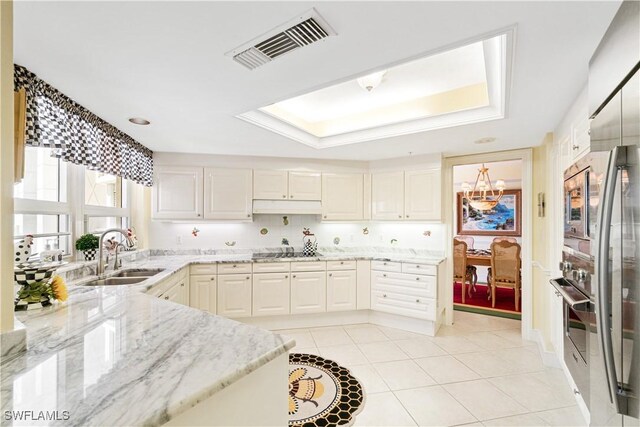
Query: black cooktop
point(282, 255)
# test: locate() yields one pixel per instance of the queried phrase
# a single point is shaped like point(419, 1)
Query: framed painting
point(503, 220)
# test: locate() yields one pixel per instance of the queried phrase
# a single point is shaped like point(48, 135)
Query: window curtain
point(77, 135)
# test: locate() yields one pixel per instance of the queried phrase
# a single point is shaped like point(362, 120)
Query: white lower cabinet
point(341, 290)
point(270, 294)
point(308, 292)
point(234, 295)
point(177, 293)
point(395, 290)
point(175, 288)
point(203, 292)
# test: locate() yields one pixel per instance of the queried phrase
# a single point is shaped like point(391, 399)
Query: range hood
point(287, 207)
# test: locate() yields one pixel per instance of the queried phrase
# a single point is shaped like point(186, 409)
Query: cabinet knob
point(182, 284)
point(384, 295)
point(248, 277)
point(407, 216)
point(384, 263)
point(575, 146)
point(213, 278)
point(325, 217)
point(167, 297)
point(284, 196)
point(291, 196)
point(294, 276)
point(417, 278)
point(399, 216)
point(384, 275)
point(286, 276)
point(198, 214)
point(248, 215)
point(341, 262)
point(417, 266)
point(234, 266)
point(417, 300)
point(330, 274)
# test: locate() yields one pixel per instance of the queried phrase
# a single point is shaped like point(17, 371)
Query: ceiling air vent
point(301, 31)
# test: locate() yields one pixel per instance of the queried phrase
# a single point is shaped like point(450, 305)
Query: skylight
point(450, 88)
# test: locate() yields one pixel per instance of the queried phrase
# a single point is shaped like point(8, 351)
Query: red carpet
point(504, 298)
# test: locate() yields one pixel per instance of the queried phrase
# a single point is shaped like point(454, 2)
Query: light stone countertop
point(116, 356)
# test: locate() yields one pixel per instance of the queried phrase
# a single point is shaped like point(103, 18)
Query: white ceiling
point(165, 61)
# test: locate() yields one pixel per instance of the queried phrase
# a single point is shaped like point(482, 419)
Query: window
point(54, 195)
point(41, 207)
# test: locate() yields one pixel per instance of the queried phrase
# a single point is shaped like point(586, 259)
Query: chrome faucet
point(100, 267)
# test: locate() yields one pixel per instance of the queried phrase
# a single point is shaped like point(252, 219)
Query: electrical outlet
point(179, 240)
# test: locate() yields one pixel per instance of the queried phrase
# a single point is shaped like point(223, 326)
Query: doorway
point(516, 170)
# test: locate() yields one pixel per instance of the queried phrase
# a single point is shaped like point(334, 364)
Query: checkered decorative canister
point(89, 254)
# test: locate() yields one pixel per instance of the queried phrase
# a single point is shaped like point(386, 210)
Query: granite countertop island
point(115, 356)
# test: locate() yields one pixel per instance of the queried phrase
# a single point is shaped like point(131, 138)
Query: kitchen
point(298, 229)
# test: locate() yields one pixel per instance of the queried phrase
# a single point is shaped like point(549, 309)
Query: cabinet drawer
point(427, 269)
point(271, 267)
point(386, 266)
point(308, 266)
point(229, 268)
point(406, 284)
point(341, 265)
point(404, 305)
point(207, 269)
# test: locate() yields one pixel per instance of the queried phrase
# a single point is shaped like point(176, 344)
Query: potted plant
point(88, 245)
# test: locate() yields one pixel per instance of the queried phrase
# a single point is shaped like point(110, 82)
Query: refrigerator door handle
point(617, 158)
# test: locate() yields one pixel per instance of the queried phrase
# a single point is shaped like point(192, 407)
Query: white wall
point(166, 235)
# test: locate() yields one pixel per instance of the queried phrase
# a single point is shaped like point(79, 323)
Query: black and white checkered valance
point(78, 136)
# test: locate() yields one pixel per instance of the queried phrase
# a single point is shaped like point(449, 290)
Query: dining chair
point(497, 239)
point(505, 266)
point(461, 273)
point(471, 268)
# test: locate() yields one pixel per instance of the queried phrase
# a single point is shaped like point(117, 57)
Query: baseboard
point(549, 358)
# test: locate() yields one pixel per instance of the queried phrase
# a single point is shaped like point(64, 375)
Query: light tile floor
point(477, 372)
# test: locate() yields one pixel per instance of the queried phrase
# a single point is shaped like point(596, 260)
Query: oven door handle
point(571, 297)
point(603, 314)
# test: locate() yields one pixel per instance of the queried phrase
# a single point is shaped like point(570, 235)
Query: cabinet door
point(228, 193)
point(270, 294)
point(270, 185)
point(234, 295)
point(203, 293)
point(305, 186)
point(342, 196)
point(177, 193)
point(341, 290)
point(387, 195)
point(580, 139)
point(308, 292)
point(177, 293)
point(422, 195)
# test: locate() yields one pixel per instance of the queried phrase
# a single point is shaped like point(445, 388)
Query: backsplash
point(275, 230)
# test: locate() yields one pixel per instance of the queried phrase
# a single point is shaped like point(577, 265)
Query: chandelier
point(483, 197)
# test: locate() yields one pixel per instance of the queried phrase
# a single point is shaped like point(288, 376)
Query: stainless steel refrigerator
point(614, 201)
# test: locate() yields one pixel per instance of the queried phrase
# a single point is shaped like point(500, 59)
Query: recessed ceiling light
point(139, 121)
point(484, 140)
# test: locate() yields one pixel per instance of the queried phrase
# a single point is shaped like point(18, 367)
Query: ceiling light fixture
point(483, 201)
point(371, 81)
point(484, 140)
point(139, 121)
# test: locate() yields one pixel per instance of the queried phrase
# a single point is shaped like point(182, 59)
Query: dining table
point(479, 257)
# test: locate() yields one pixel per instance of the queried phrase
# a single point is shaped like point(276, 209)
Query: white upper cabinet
point(387, 195)
point(305, 186)
point(228, 193)
point(177, 193)
point(270, 185)
point(283, 185)
point(422, 195)
point(580, 138)
point(342, 196)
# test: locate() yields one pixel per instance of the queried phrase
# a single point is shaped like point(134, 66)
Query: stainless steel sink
point(111, 281)
point(141, 272)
